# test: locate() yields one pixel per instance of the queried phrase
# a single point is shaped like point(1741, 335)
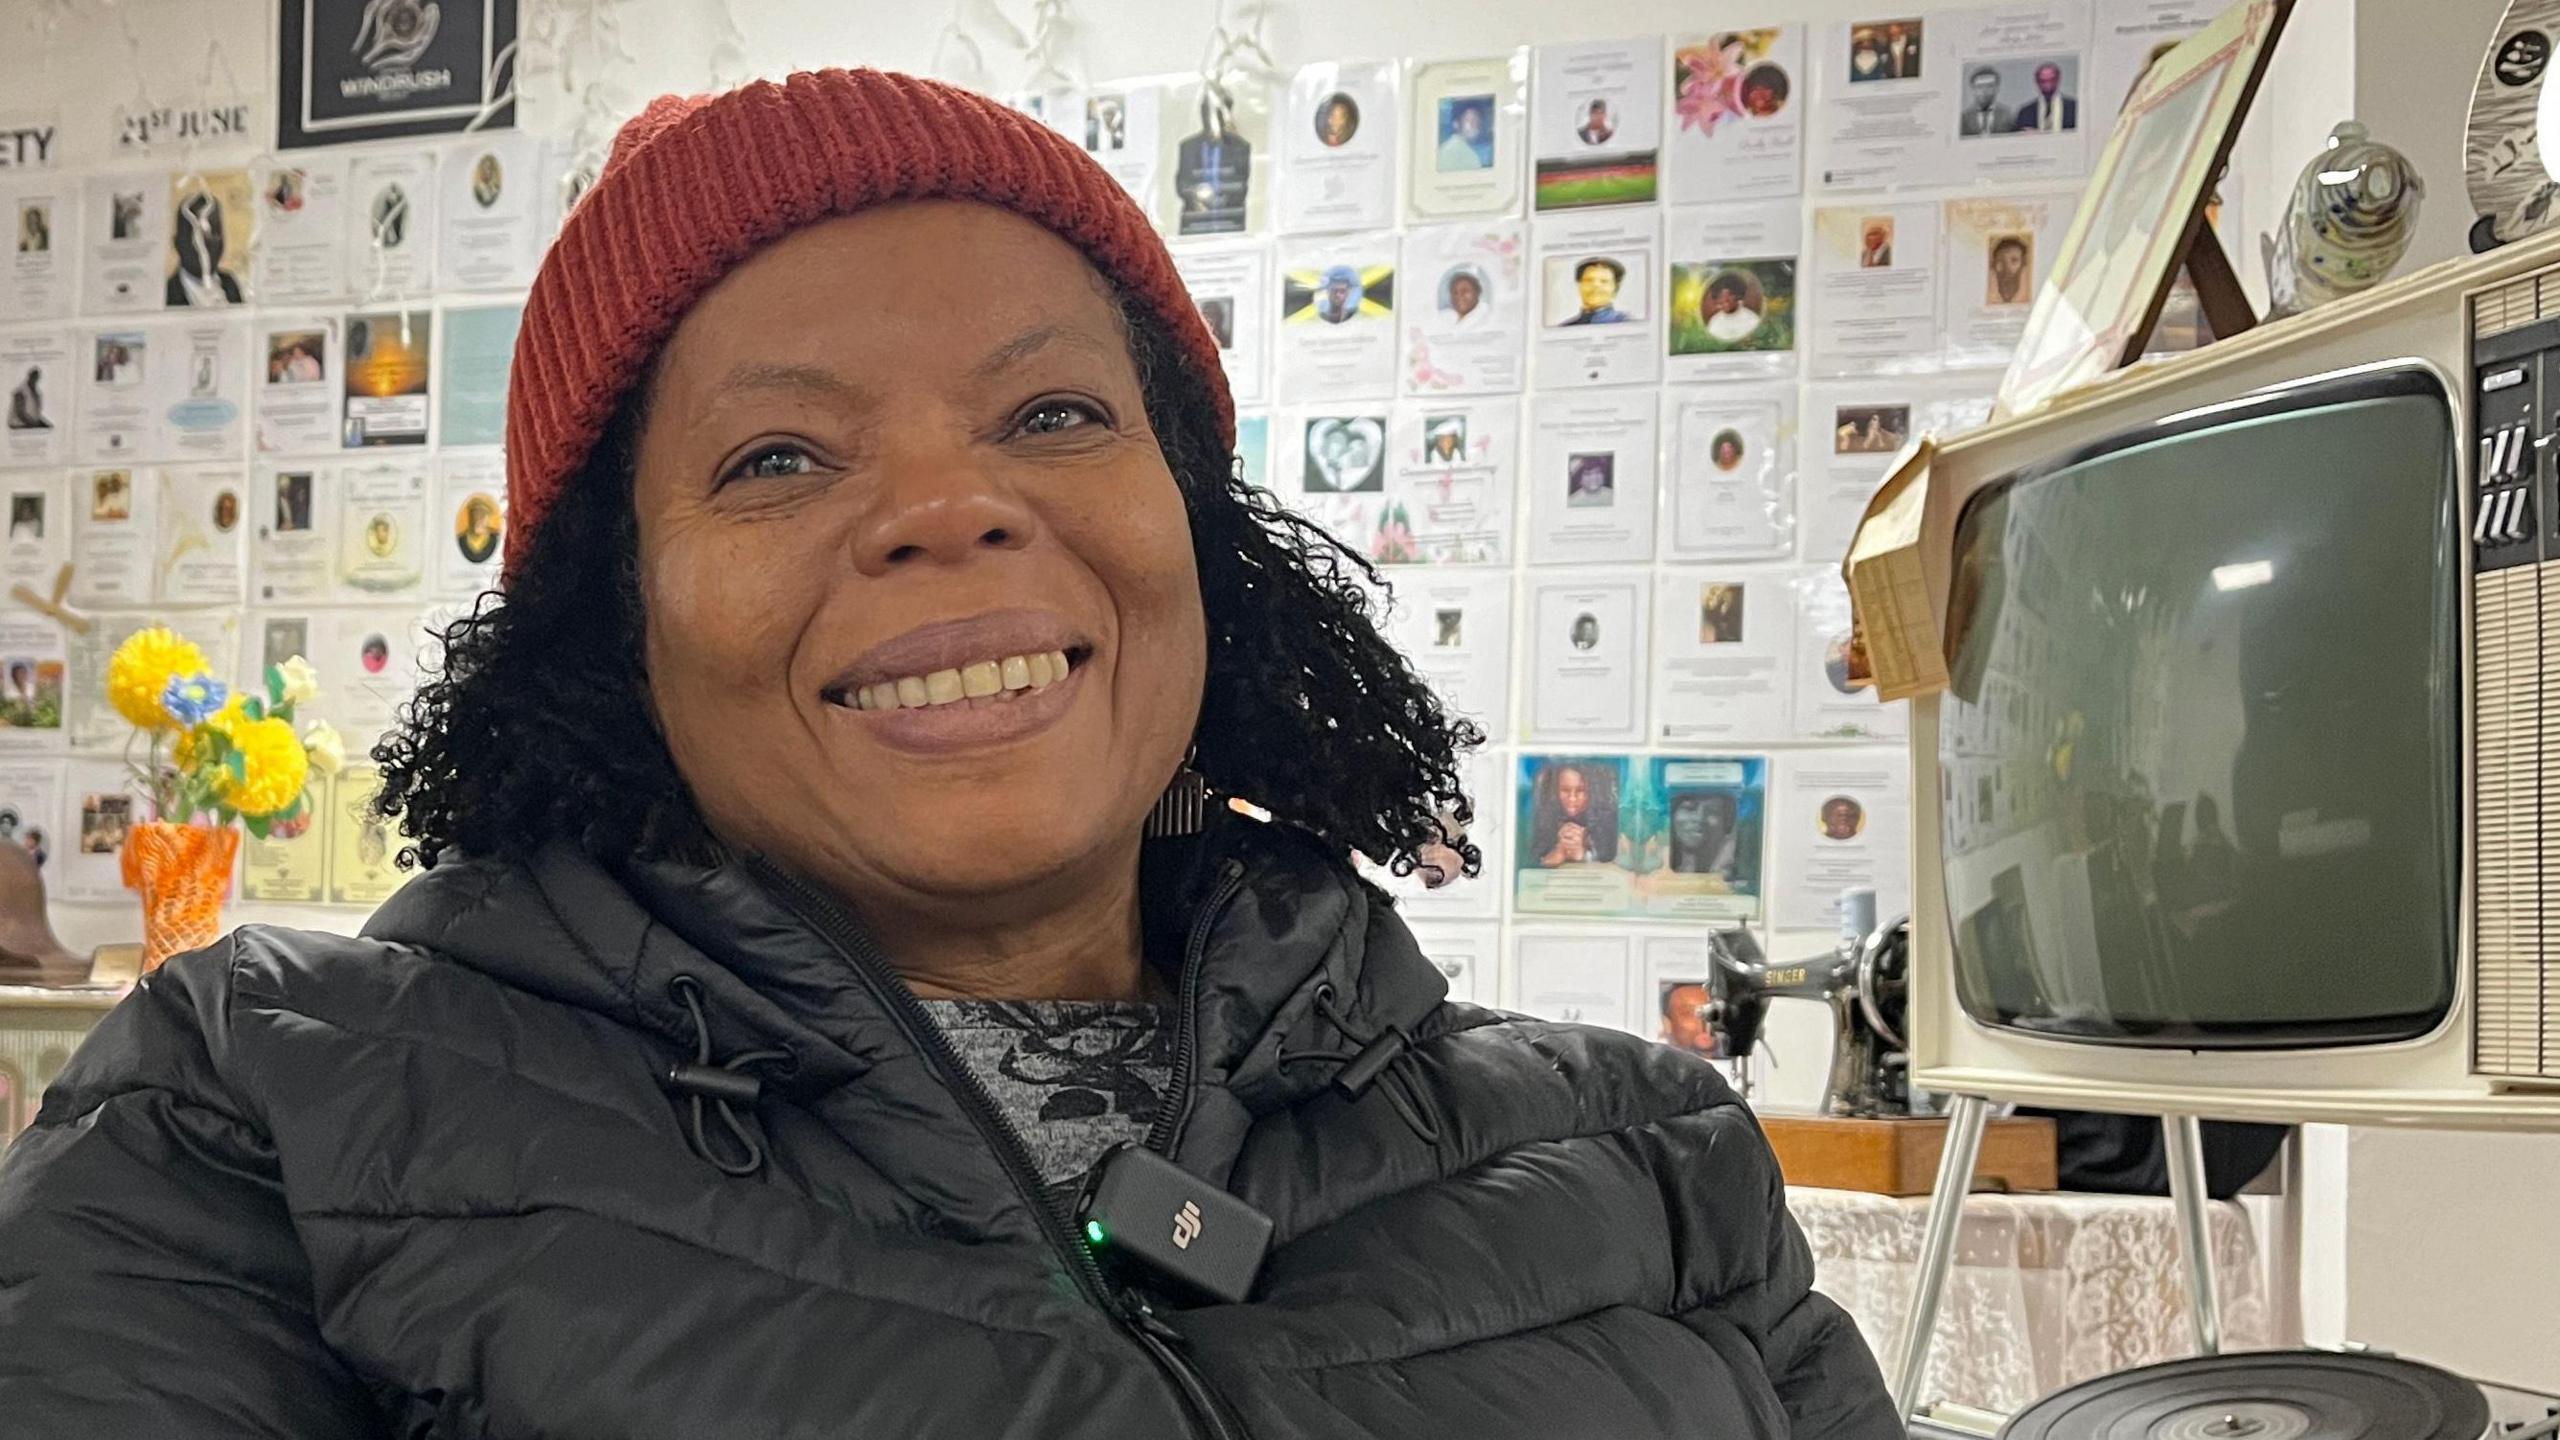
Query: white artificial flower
point(327, 748)
point(301, 682)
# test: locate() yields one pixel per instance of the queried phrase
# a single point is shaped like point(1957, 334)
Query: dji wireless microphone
point(1140, 1208)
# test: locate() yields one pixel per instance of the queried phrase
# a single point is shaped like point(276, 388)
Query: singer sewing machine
point(1867, 1136)
point(1864, 981)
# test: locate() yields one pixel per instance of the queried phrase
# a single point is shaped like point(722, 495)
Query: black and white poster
point(350, 70)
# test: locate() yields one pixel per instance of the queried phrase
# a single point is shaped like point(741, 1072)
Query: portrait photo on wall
point(1720, 613)
point(1591, 480)
point(32, 698)
point(1875, 242)
point(1721, 307)
point(106, 817)
point(1869, 429)
point(1705, 826)
point(1585, 634)
point(2009, 275)
point(1337, 119)
point(28, 407)
point(283, 639)
point(111, 496)
point(1444, 440)
point(1219, 313)
point(1106, 124)
point(212, 233)
point(1611, 834)
point(488, 180)
point(119, 359)
point(1732, 77)
point(478, 527)
point(26, 518)
point(1841, 817)
point(1462, 293)
point(2039, 95)
point(1592, 290)
point(1884, 50)
point(1727, 450)
point(35, 228)
point(1571, 811)
point(297, 357)
point(293, 502)
point(1338, 295)
point(1681, 1009)
point(1465, 134)
point(1213, 166)
point(1345, 455)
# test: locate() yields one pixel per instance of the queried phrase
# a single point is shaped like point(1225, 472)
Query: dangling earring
point(1184, 807)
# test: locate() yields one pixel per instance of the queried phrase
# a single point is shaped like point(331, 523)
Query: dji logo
point(1186, 1225)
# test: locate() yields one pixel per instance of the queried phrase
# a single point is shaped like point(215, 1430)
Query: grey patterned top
point(1074, 1076)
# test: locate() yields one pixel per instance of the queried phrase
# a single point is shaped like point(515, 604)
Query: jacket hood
point(1272, 915)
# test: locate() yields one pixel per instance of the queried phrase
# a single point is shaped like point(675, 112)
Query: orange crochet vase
point(183, 873)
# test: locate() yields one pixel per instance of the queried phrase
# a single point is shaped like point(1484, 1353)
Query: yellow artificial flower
point(328, 749)
point(273, 768)
point(140, 673)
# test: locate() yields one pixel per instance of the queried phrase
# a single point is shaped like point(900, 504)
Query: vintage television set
point(2244, 798)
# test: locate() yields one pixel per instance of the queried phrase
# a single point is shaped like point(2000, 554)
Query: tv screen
point(2198, 767)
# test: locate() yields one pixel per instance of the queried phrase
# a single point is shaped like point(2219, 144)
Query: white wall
point(2440, 1245)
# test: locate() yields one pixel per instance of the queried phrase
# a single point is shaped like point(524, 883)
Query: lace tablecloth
point(2047, 1290)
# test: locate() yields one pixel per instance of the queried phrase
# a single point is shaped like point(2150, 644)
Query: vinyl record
point(2512, 191)
point(2275, 1395)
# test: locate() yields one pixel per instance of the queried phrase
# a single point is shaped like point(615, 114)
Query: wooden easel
point(2207, 266)
point(2217, 285)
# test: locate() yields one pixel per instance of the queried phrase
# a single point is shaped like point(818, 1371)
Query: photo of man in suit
point(1900, 52)
point(1983, 113)
point(1597, 127)
point(1213, 169)
point(2051, 111)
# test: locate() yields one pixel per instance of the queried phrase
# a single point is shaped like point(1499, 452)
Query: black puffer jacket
point(427, 1184)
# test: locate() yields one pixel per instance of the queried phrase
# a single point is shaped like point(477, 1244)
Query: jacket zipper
point(1161, 1341)
point(1166, 1132)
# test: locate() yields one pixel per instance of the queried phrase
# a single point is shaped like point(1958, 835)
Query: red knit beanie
point(696, 185)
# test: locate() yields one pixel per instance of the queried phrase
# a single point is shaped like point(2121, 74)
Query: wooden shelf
point(1900, 1157)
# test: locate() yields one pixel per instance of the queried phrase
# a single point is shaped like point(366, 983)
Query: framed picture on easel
point(2142, 217)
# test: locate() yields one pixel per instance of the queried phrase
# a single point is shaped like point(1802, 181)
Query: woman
point(1338, 121)
point(787, 826)
point(1702, 833)
point(1573, 813)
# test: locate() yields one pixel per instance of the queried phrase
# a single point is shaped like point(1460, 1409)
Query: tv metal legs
point(1938, 1248)
point(2184, 1138)
point(2184, 1135)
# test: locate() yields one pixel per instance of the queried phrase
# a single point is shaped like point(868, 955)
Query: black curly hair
point(533, 728)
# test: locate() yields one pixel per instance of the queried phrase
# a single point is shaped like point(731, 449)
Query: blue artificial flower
point(192, 699)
